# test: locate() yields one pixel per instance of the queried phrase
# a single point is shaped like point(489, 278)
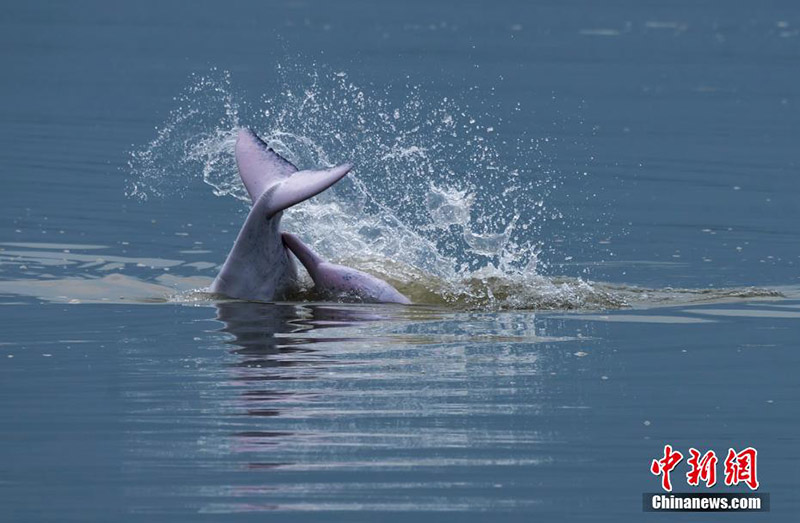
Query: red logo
point(662, 467)
point(704, 468)
point(740, 467)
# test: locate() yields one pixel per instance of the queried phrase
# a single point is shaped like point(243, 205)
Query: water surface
point(600, 201)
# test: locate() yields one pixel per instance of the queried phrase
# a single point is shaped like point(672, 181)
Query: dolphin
point(337, 281)
point(259, 266)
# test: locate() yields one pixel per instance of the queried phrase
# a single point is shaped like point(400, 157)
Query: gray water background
point(683, 114)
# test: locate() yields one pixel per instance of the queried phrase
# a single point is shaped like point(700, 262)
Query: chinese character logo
point(662, 467)
point(704, 468)
point(741, 468)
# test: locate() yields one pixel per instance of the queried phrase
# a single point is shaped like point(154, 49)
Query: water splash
point(432, 205)
point(198, 137)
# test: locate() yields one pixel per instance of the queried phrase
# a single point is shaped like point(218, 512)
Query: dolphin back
point(338, 281)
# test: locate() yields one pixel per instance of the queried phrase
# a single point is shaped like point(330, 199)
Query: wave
point(72, 273)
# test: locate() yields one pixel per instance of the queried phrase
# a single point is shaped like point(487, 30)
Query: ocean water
point(593, 207)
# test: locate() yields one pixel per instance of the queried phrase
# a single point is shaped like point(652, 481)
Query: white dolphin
point(259, 266)
point(337, 281)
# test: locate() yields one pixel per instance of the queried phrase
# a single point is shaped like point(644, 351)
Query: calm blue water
point(644, 147)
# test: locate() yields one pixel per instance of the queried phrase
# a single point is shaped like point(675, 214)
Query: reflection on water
point(364, 396)
point(340, 408)
point(272, 347)
point(243, 407)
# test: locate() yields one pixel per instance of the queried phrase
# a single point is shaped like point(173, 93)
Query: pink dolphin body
point(337, 281)
point(259, 266)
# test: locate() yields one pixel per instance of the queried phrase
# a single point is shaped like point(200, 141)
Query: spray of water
point(432, 205)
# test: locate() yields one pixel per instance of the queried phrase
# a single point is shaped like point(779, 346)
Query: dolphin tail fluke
point(259, 166)
point(262, 170)
point(301, 186)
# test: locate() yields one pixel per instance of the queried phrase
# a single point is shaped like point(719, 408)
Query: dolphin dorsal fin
point(259, 166)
